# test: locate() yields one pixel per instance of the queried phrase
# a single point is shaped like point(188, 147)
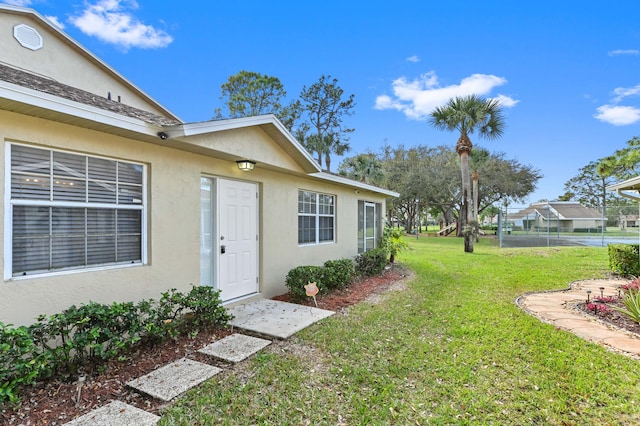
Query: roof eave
point(632, 184)
point(354, 184)
point(38, 104)
point(34, 103)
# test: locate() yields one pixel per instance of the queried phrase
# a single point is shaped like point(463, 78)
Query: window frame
point(85, 205)
point(317, 215)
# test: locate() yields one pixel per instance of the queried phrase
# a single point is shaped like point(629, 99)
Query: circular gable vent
point(27, 37)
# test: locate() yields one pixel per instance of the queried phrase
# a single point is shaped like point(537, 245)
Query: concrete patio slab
point(235, 348)
point(274, 318)
point(116, 413)
point(169, 381)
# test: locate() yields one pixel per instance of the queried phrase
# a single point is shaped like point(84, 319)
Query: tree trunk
point(474, 178)
point(463, 148)
point(466, 185)
point(468, 235)
point(468, 243)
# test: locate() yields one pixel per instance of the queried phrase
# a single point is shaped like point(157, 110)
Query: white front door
point(230, 258)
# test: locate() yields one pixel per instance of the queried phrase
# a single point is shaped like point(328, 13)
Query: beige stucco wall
point(174, 220)
point(64, 62)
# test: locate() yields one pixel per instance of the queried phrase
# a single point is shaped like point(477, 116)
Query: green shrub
point(392, 242)
point(371, 262)
point(20, 362)
point(205, 308)
point(63, 343)
point(338, 273)
point(623, 259)
point(79, 335)
point(300, 276)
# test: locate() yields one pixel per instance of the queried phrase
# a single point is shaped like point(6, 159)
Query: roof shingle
point(51, 87)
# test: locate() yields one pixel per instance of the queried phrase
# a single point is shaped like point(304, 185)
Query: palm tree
point(467, 115)
point(324, 146)
point(366, 168)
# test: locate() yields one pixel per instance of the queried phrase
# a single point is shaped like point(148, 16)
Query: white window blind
point(73, 211)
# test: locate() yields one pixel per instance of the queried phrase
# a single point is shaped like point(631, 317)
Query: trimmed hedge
point(338, 273)
point(334, 274)
point(623, 259)
point(371, 262)
point(300, 276)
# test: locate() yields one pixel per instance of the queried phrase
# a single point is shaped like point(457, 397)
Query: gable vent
point(27, 37)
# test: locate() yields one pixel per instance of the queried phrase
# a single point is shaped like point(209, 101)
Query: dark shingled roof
point(51, 87)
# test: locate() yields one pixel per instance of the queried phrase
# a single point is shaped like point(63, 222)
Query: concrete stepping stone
point(274, 318)
point(169, 381)
point(116, 413)
point(235, 348)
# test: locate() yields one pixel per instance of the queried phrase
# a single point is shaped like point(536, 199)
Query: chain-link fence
point(564, 224)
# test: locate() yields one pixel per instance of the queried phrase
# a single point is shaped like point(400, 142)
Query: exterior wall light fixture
point(246, 165)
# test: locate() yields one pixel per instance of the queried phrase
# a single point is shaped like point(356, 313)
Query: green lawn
point(451, 349)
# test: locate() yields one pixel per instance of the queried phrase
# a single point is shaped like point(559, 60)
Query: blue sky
point(565, 71)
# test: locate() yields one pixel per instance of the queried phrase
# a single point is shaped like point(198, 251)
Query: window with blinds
point(72, 211)
point(316, 218)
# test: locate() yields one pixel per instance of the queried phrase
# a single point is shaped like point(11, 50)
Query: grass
point(451, 349)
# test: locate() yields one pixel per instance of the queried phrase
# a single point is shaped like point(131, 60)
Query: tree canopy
point(325, 108)
point(248, 93)
point(427, 178)
point(366, 168)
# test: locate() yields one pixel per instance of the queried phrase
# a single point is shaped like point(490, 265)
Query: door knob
point(223, 249)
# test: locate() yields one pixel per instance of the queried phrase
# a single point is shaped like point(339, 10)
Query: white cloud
point(623, 92)
point(418, 98)
point(624, 52)
point(112, 22)
point(414, 59)
point(618, 115)
point(56, 21)
point(506, 101)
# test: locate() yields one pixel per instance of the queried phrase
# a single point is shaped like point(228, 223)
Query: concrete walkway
point(264, 317)
point(559, 308)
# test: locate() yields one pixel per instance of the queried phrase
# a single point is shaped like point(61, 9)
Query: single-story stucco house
point(561, 216)
point(108, 196)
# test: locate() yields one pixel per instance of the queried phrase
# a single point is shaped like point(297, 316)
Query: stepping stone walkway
point(169, 381)
point(235, 348)
point(268, 317)
point(116, 413)
point(285, 319)
point(559, 308)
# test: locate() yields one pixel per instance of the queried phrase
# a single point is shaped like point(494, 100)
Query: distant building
point(557, 216)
